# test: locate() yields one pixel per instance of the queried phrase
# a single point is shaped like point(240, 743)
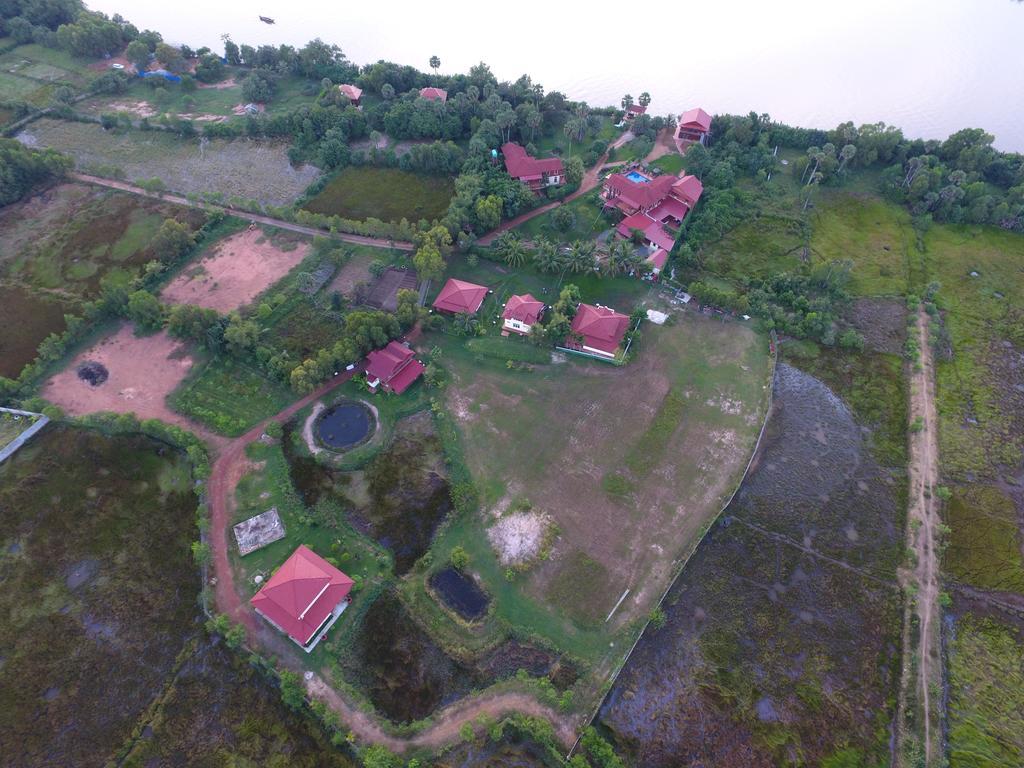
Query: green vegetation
point(12, 425)
point(388, 194)
point(671, 163)
point(986, 706)
point(584, 221)
point(985, 541)
point(229, 395)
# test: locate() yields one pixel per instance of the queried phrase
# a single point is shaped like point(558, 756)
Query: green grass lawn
point(589, 222)
point(669, 164)
point(229, 396)
point(388, 194)
point(558, 144)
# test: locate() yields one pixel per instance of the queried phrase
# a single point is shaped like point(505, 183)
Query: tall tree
point(435, 63)
point(645, 99)
point(627, 101)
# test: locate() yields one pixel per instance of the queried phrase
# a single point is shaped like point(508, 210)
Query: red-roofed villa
point(304, 597)
point(597, 331)
point(393, 368)
point(536, 173)
point(460, 298)
point(351, 92)
point(434, 94)
point(694, 125)
point(520, 314)
point(634, 110)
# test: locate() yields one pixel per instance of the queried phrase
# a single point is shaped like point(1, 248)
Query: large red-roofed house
point(434, 94)
point(536, 173)
point(521, 313)
point(460, 298)
point(351, 92)
point(650, 204)
point(597, 330)
point(393, 368)
point(694, 125)
point(304, 597)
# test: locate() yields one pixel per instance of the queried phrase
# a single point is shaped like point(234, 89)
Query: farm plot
point(238, 269)
point(98, 599)
point(124, 373)
point(388, 194)
point(252, 170)
point(26, 320)
point(629, 463)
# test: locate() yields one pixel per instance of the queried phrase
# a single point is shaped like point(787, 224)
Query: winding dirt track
point(228, 468)
point(924, 507)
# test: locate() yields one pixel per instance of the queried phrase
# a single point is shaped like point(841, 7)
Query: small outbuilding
point(393, 368)
point(520, 314)
point(304, 597)
point(351, 92)
point(434, 94)
point(634, 110)
point(458, 297)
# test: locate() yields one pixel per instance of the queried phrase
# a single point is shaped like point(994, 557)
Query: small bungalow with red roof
point(656, 261)
point(634, 110)
point(536, 173)
point(458, 297)
point(304, 597)
point(520, 314)
point(351, 92)
point(597, 331)
point(434, 94)
point(694, 125)
point(393, 368)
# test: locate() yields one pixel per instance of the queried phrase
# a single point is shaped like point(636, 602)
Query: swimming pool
point(637, 177)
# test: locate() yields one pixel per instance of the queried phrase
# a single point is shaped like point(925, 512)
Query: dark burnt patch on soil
point(93, 373)
point(882, 323)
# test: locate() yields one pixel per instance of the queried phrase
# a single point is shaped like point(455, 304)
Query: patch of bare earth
point(518, 537)
point(240, 268)
point(355, 272)
point(882, 322)
point(222, 85)
point(142, 372)
point(137, 108)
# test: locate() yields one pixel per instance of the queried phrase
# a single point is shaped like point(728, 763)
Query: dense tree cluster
point(22, 168)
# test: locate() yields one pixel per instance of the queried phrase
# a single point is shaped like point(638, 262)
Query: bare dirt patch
point(142, 372)
point(240, 268)
point(137, 108)
point(384, 292)
point(518, 537)
point(220, 86)
point(356, 272)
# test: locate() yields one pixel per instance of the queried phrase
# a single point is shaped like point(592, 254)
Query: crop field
point(252, 170)
point(781, 635)
point(229, 396)
point(32, 73)
point(26, 320)
point(98, 599)
point(620, 470)
point(388, 194)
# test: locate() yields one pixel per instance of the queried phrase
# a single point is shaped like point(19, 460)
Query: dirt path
point(231, 464)
point(923, 522)
point(267, 220)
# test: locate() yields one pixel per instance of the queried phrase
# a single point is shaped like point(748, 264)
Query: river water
point(928, 66)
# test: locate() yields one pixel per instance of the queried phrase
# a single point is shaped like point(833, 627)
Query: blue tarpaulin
point(161, 73)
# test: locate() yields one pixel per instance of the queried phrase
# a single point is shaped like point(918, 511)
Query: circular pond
point(344, 425)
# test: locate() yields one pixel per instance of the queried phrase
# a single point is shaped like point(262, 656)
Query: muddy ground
point(782, 636)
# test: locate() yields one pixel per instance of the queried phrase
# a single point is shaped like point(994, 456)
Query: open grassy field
point(388, 194)
point(589, 222)
point(986, 542)
point(620, 470)
point(228, 396)
point(251, 170)
point(33, 72)
point(558, 144)
point(98, 599)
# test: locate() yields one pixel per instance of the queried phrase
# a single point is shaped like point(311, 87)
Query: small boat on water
point(266, 20)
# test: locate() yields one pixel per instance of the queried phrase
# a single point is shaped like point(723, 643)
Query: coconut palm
point(581, 256)
point(546, 256)
point(846, 155)
point(435, 62)
point(645, 99)
point(515, 253)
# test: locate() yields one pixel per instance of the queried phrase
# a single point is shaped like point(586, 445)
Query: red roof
point(384, 363)
point(657, 235)
point(639, 194)
point(658, 259)
point(636, 109)
point(601, 327)
point(460, 297)
point(669, 207)
point(352, 92)
point(521, 166)
point(696, 118)
point(639, 220)
point(303, 592)
point(434, 94)
point(688, 189)
point(525, 309)
point(401, 380)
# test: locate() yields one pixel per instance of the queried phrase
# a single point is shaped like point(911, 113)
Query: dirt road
point(923, 535)
point(227, 470)
point(123, 186)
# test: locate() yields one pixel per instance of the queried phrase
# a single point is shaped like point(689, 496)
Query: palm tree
point(645, 99)
point(581, 256)
point(546, 255)
point(621, 257)
point(515, 253)
point(627, 101)
point(574, 126)
point(534, 120)
point(435, 63)
point(848, 153)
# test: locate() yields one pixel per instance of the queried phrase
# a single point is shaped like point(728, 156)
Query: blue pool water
point(637, 177)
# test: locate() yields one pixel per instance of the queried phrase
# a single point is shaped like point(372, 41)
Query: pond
point(344, 425)
point(461, 593)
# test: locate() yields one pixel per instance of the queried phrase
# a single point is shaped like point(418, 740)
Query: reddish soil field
point(238, 270)
point(142, 372)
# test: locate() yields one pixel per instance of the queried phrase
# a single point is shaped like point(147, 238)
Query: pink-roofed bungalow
point(634, 110)
point(393, 368)
point(520, 314)
point(536, 173)
point(657, 261)
point(434, 94)
point(694, 125)
point(304, 597)
point(458, 297)
point(597, 331)
point(351, 92)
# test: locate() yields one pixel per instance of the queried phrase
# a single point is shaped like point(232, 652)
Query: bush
point(459, 558)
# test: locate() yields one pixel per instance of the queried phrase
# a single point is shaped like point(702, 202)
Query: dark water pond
point(344, 425)
point(782, 632)
point(461, 593)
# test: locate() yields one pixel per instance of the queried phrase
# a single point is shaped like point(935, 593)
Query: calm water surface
point(928, 66)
